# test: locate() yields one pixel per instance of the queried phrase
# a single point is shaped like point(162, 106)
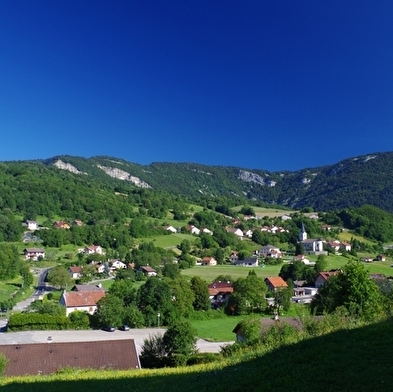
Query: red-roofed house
point(209, 261)
point(85, 301)
point(323, 277)
point(90, 250)
point(75, 272)
point(61, 225)
point(274, 283)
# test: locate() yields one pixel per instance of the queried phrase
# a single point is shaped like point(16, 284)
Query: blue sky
point(274, 85)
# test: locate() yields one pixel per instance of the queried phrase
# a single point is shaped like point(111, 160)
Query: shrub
point(176, 360)
point(3, 363)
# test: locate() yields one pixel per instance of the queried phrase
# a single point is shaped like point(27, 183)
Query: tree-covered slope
point(350, 183)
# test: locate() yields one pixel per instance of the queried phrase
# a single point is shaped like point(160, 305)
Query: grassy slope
point(356, 360)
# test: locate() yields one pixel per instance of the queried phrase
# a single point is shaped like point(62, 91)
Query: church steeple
point(303, 234)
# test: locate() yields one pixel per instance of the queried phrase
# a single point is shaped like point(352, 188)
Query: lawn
point(210, 273)
point(170, 241)
point(217, 330)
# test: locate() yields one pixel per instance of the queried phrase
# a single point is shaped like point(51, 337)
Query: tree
point(80, 320)
point(180, 338)
point(59, 277)
point(182, 296)
point(110, 310)
point(201, 294)
point(171, 270)
point(248, 295)
point(353, 289)
point(155, 297)
point(153, 352)
point(27, 276)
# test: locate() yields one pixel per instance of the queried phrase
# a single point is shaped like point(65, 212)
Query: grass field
point(169, 241)
point(210, 273)
point(217, 330)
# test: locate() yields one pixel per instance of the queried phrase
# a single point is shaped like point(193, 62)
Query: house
point(84, 301)
point(75, 272)
point(77, 222)
point(235, 231)
point(345, 246)
point(206, 231)
point(381, 257)
point(33, 253)
point(61, 225)
point(211, 261)
point(275, 283)
point(30, 225)
point(117, 264)
point(106, 354)
point(193, 230)
point(247, 233)
point(367, 259)
point(219, 292)
point(270, 251)
point(171, 229)
point(248, 262)
point(233, 257)
point(324, 276)
point(286, 217)
point(148, 271)
point(326, 227)
point(90, 250)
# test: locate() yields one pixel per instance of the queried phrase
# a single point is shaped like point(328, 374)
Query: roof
point(220, 287)
point(47, 358)
point(75, 270)
point(86, 287)
point(327, 274)
point(147, 268)
point(82, 298)
point(276, 281)
point(34, 250)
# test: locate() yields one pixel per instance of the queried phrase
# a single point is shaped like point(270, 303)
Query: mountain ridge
point(351, 182)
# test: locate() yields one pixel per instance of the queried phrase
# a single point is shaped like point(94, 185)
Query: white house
point(117, 264)
point(75, 272)
point(209, 261)
point(90, 250)
point(193, 230)
point(85, 301)
point(171, 229)
point(235, 231)
point(31, 225)
point(207, 231)
point(33, 253)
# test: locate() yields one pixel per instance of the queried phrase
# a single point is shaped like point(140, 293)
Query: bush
point(176, 360)
point(80, 320)
point(37, 322)
point(3, 363)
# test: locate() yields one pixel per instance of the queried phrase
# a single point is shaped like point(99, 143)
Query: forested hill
point(350, 183)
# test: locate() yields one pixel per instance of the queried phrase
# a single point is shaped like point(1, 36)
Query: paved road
point(95, 335)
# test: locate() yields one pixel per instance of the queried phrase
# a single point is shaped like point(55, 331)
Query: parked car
point(109, 328)
point(124, 328)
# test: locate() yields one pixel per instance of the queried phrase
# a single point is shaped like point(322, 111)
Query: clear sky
point(259, 84)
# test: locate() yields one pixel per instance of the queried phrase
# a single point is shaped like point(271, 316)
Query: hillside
point(346, 360)
point(350, 183)
point(344, 184)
